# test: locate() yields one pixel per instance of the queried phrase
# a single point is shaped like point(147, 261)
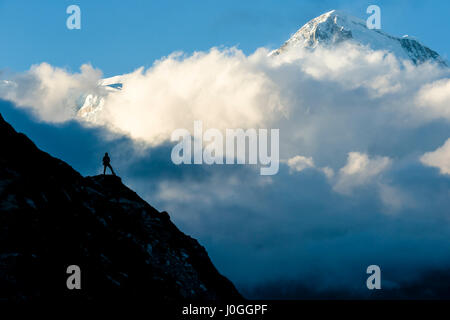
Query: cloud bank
point(355, 185)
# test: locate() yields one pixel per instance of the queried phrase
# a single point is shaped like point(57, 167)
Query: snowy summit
point(335, 27)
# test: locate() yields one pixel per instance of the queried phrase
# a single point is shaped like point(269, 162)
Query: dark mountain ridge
point(51, 217)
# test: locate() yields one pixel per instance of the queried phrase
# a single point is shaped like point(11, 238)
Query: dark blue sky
point(119, 36)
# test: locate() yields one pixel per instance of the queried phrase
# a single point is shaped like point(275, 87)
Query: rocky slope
point(52, 217)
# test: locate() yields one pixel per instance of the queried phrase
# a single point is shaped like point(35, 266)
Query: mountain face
point(335, 27)
point(51, 217)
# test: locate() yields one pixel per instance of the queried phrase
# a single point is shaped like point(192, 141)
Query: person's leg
point(112, 171)
point(104, 169)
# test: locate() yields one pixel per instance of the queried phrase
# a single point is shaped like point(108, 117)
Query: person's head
point(106, 153)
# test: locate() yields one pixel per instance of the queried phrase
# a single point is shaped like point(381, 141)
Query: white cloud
point(300, 163)
point(51, 92)
point(224, 89)
point(359, 170)
point(439, 158)
point(434, 99)
point(310, 94)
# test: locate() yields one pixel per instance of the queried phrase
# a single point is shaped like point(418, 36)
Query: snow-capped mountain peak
point(91, 103)
point(335, 26)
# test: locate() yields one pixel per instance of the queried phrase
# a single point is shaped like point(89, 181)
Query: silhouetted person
point(107, 164)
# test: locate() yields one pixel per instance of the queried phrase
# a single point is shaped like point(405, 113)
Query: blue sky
point(119, 36)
